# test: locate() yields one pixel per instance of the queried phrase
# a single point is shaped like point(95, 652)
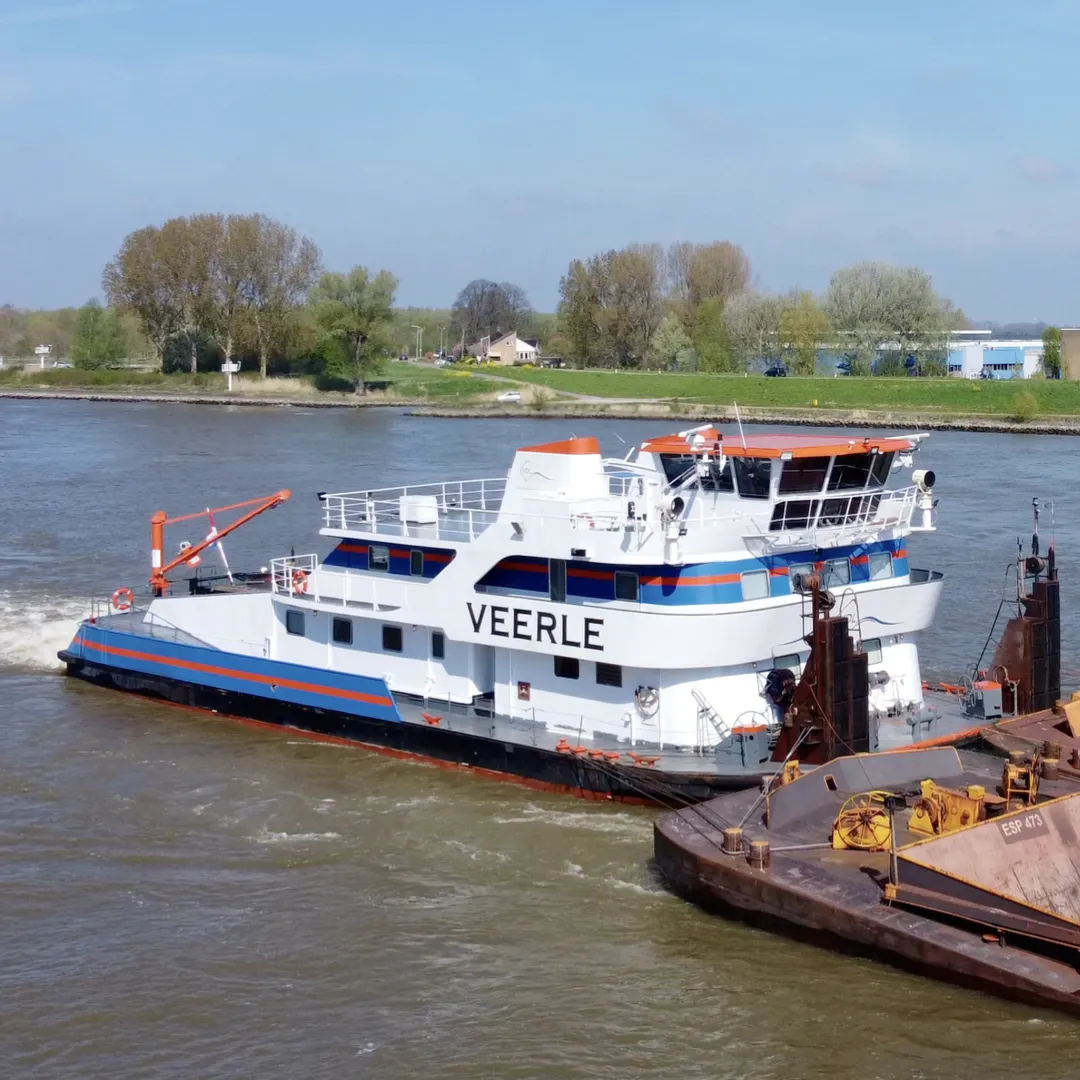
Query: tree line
point(691, 307)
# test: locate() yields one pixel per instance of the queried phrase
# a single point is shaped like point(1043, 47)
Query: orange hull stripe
point(598, 575)
point(900, 553)
point(244, 676)
point(715, 579)
point(515, 564)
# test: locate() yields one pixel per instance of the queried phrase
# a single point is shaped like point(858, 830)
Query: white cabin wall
point(237, 622)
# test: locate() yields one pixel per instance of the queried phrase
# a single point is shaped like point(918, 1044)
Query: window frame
point(438, 652)
point(291, 616)
point(570, 664)
point(755, 575)
point(624, 574)
point(388, 629)
point(337, 622)
point(792, 475)
point(747, 466)
point(872, 648)
point(416, 558)
point(826, 572)
point(883, 558)
point(371, 561)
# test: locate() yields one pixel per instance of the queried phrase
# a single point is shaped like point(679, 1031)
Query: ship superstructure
point(581, 622)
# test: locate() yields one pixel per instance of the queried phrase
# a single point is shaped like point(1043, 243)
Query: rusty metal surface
point(835, 898)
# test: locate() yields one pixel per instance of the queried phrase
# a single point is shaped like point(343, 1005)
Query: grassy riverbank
point(953, 397)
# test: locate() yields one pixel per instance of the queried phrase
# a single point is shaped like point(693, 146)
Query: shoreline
point(592, 409)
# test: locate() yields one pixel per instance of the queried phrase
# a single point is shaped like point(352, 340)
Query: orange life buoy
point(122, 599)
point(299, 581)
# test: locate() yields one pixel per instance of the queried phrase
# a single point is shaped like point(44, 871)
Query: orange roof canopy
point(776, 445)
point(586, 445)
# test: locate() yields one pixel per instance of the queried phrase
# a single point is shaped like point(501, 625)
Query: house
point(506, 350)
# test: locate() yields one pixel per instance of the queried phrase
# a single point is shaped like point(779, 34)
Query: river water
point(187, 897)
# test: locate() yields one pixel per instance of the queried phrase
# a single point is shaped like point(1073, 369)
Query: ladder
point(707, 712)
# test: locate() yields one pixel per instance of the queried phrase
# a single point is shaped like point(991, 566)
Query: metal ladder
point(707, 712)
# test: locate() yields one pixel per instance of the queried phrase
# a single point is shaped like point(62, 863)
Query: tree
point(135, 281)
point(488, 309)
point(356, 310)
point(284, 267)
point(803, 327)
point(578, 304)
point(99, 338)
point(875, 306)
point(1051, 360)
point(671, 345)
point(700, 272)
point(712, 342)
point(753, 325)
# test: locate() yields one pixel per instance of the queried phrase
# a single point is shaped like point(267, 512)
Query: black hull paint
point(535, 767)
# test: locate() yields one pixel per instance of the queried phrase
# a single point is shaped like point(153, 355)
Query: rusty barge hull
point(834, 899)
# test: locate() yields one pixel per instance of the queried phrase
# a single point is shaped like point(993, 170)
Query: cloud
point(1044, 170)
point(54, 13)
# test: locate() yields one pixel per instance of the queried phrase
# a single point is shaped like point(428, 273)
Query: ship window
point(872, 648)
point(342, 631)
point(790, 661)
point(755, 584)
point(378, 558)
point(752, 475)
point(678, 467)
point(879, 470)
point(836, 572)
point(880, 565)
point(294, 622)
point(416, 563)
point(851, 471)
point(793, 514)
point(567, 667)
point(438, 645)
point(557, 580)
point(608, 675)
point(803, 474)
point(626, 586)
point(391, 639)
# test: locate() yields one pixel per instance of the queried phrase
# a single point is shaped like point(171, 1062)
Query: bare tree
point(699, 272)
point(753, 321)
point(486, 308)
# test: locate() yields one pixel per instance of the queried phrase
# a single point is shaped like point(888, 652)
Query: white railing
point(295, 575)
point(301, 577)
point(836, 520)
point(455, 509)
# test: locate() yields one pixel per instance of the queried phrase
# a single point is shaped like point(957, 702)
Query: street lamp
point(419, 339)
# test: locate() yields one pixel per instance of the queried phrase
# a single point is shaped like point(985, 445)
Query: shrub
point(1025, 407)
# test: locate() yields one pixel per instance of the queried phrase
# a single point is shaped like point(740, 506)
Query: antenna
point(619, 437)
point(738, 418)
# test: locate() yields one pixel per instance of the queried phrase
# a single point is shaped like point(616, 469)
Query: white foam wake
point(33, 628)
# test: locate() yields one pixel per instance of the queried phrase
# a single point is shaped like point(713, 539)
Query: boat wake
point(33, 628)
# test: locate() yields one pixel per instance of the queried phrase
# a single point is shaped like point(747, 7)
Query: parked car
point(63, 364)
point(508, 397)
point(776, 371)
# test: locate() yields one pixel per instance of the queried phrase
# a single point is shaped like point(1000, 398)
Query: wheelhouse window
point(752, 477)
point(793, 514)
point(803, 475)
point(342, 631)
point(755, 584)
point(872, 648)
point(567, 667)
point(879, 470)
point(836, 572)
point(392, 640)
point(789, 661)
point(416, 563)
point(438, 645)
point(608, 675)
point(851, 471)
point(880, 563)
point(679, 468)
point(378, 558)
point(627, 586)
point(797, 571)
point(294, 622)
point(557, 580)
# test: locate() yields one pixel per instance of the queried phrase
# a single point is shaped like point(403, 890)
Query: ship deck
point(835, 898)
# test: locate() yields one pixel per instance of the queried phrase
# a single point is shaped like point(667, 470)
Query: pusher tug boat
point(629, 629)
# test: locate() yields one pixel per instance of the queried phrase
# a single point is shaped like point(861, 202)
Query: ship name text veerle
point(524, 624)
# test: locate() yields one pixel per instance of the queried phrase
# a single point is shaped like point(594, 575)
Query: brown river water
point(182, 896)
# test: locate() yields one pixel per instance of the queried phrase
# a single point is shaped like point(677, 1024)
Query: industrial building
point(974, 354)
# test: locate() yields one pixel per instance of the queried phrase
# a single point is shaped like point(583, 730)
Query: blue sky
point(474, 138)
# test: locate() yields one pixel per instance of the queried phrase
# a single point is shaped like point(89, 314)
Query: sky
point(492, 138)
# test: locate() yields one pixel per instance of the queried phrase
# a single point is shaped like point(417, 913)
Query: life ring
point(299, 581)
point(122, 599)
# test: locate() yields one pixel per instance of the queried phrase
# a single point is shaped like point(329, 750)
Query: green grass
point(944, 396)
point(450, 386)
point(104, 378)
